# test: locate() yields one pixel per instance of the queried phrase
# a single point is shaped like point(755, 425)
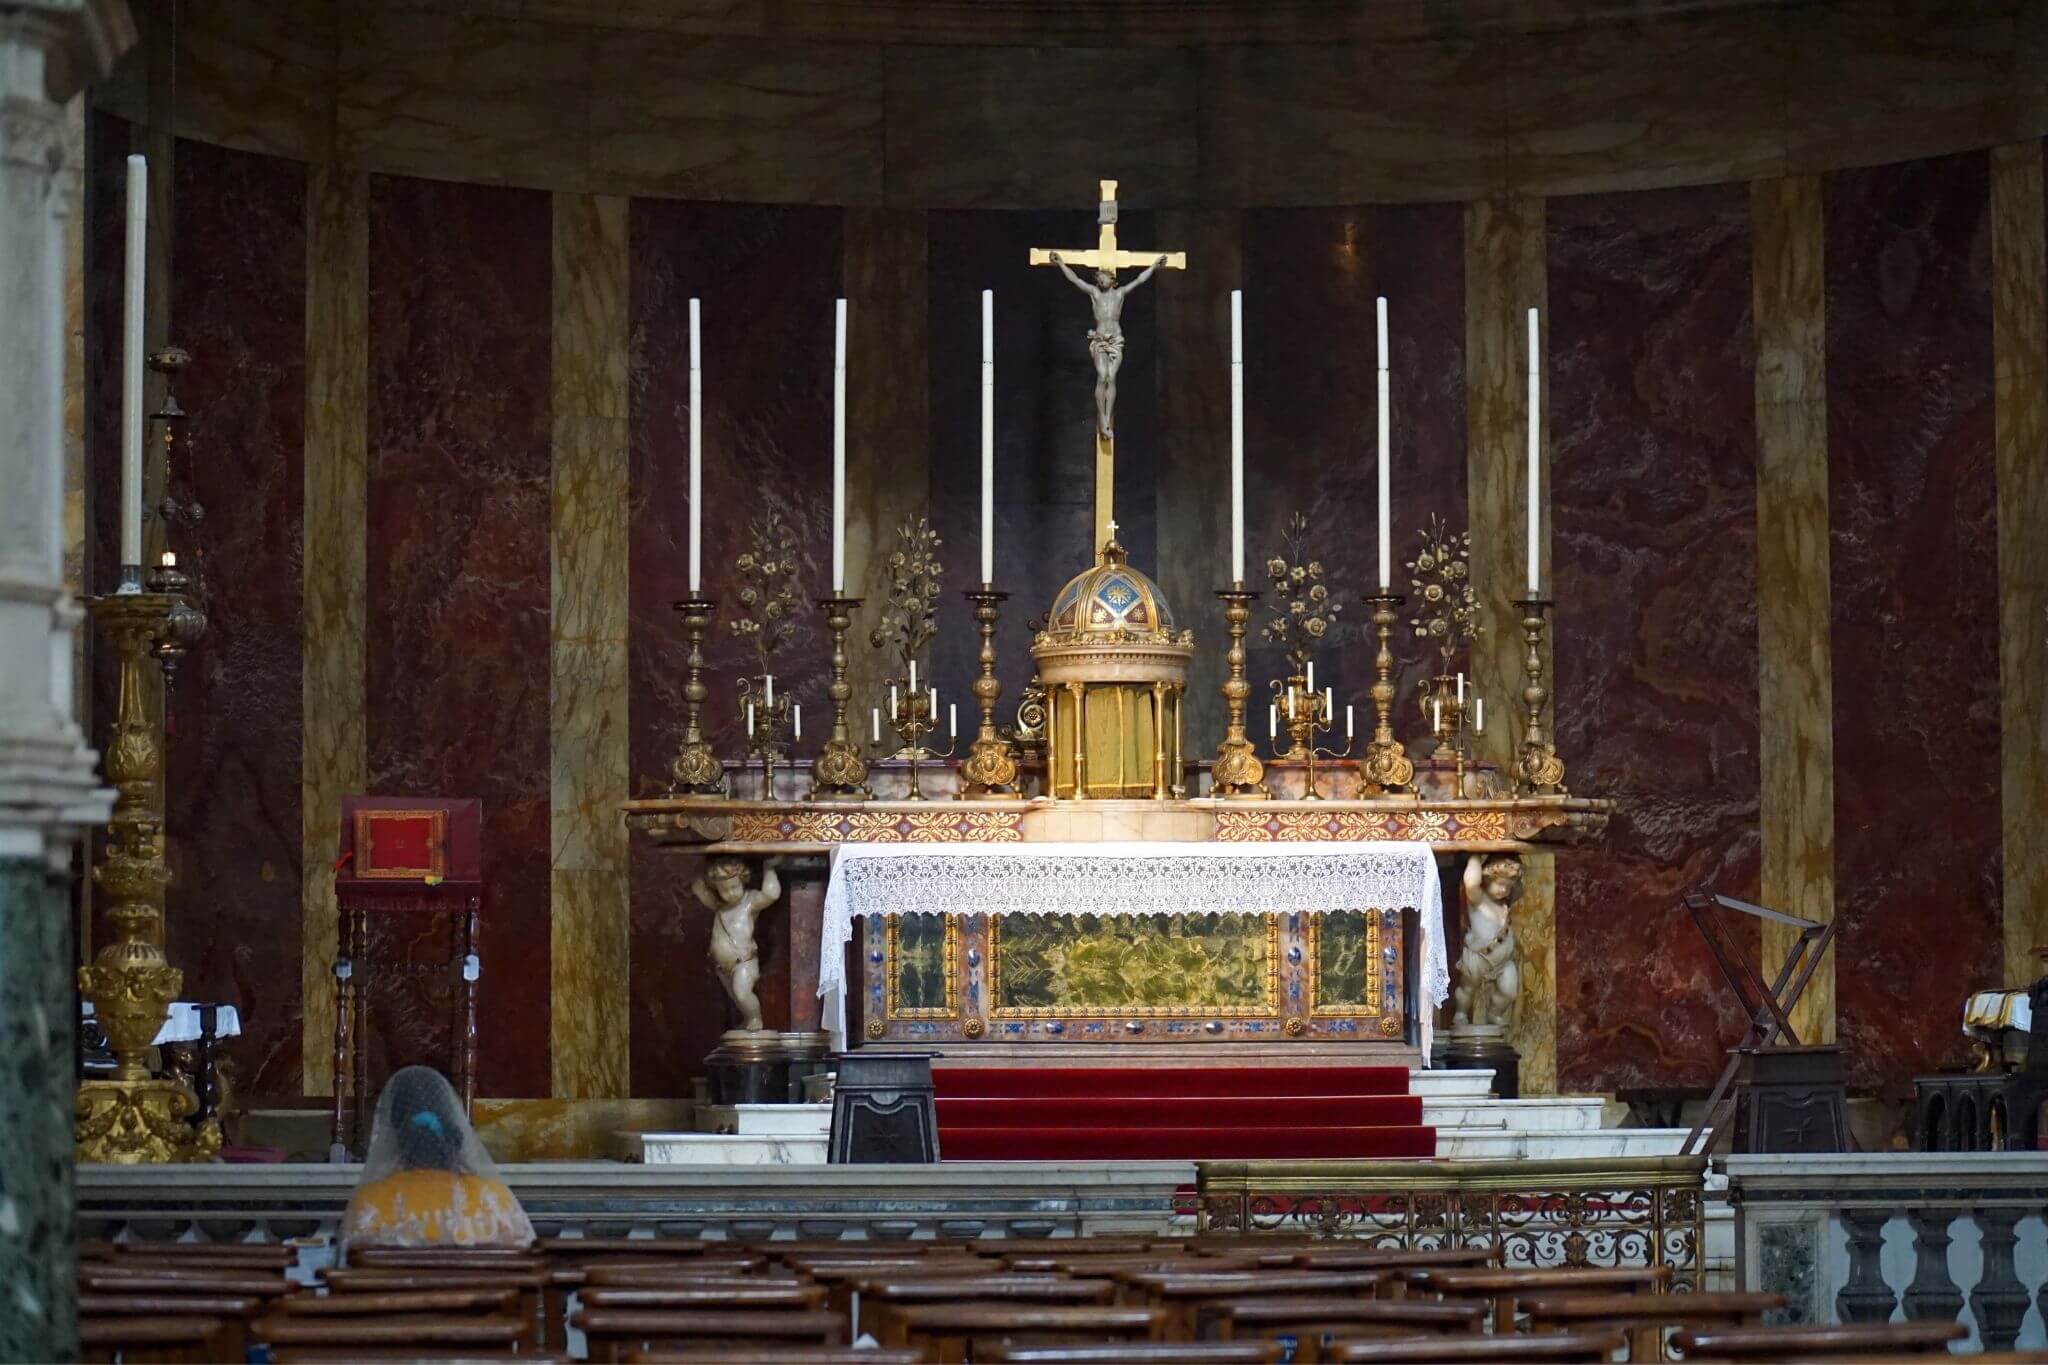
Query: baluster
point(1865, 1297)
point(1933, 1295)
point(1999, 1300)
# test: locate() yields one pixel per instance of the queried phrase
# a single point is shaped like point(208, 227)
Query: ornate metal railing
point(1610, 1212)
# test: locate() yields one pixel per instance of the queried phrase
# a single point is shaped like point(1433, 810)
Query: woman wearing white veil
point(427, 1180)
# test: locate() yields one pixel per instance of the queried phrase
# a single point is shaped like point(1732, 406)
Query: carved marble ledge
point(1494, 824)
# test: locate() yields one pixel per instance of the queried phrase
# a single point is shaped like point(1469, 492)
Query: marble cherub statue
point(1488, 986)
point(735, 907)
point(1106, 337)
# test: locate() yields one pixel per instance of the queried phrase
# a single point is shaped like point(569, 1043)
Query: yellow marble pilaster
point(1795, 676)
point(590, 923)
point(2019, 340)
point(1505, 276)
point(335, 762)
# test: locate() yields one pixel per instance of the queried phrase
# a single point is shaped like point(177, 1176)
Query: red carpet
point(1178, 1113)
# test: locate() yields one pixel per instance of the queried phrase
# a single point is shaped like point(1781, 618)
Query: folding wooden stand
point(1789, 1090)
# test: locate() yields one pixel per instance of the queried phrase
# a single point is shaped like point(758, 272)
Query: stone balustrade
point(1884, 1237)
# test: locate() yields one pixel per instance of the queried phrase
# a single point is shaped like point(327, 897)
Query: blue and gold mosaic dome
point(1111, 600)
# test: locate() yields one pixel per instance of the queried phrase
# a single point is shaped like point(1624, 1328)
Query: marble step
point(766, 1120)
point(1445, 1085)
point(729, 1149)
point(1483, 1144)
point(1543, 1114)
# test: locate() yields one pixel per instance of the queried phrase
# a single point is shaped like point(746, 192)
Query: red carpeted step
point(1182, 1111)
point(1183, 1144)
point(1046, 1083)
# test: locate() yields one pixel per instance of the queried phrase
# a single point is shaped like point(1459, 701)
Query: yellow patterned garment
point(436, 1208)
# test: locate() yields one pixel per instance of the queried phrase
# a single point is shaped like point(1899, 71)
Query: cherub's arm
point(1473, 878)
point(771, 885)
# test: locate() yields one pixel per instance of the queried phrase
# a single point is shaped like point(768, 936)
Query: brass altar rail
point(1619, 1211)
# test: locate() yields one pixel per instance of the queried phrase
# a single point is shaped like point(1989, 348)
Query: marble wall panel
point(458, 631)
point(1914, 565)
point(1653, 449)
point(1312, 277)
point(699, 118)
point(335, 571)
point(1045, 413)
point(767, 277)
point(2020, 350)
point(232, 770)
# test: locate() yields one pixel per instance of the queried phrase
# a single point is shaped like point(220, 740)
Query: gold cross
point(1107, 255)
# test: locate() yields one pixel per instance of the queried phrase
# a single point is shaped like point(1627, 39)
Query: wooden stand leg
point(344, 993)
point(359, 1004)
point(469, 979)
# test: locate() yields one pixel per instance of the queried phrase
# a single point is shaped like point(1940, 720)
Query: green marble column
point(38, 1239)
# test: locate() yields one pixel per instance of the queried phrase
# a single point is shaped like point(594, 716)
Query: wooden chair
point(1504, 1289)
point(1135, 1353)
point(153, 1339)
point(952, 1332)
point(880, 1298)
point(233, 1314)
point(1646, 1317)
point(1557, 1346)
point(1311, 1322)
point(611, 1334)
point(1190, 1296)
point(1819, 1342)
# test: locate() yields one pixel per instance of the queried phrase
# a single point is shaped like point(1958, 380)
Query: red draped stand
point(401, 856)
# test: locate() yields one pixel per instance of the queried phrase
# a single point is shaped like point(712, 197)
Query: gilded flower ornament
point(1304, 610)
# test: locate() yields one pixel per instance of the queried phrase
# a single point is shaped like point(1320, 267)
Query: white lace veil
point(419, 1127)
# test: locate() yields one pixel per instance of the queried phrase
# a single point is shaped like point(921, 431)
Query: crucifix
point(1106, 337)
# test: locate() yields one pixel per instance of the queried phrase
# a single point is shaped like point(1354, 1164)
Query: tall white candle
point(839, 449)
point(696, 458)
point(131, 361)
point(1385, 440)
point(1535, 457)
point(988, 436)
point(1237, 436)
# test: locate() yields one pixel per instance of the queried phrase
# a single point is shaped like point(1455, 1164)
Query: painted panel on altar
point(1136, 978)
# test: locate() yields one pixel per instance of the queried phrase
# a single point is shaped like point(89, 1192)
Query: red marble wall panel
point(767, 277)
point(238, 305)
point(1651, 368)
point(1311, 278)
point(1912, 505)
point(458, 638)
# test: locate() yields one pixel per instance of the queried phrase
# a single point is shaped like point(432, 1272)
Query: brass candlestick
point(1387, 767)
point(134, 1117)
point(768, 720)
point(990, 771)
point(1237, 773)
point(1308, 714)
point(696, 771)
point(840, 774)
point(1541, 770)
point(912, 716)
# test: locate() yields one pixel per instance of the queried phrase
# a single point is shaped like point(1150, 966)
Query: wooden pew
point(569, 1278)
point(880, 1298)
point(952, 1332)
point(611, 1334)
point(1340, 1257)
point(1135, 1353)
point(1821, 1342)
point(1645, 1317)
point(161, 1339)
point(1067, 1246)
point(255, 1255)
point(703, 1298)
point(787, 1355)
point(842, 1278)
point(183, 1281)
point(405, 1355)
point(1312, 1321)
point(1189, 1296)
point(421, 1334)
point(486, 1303)
point(1084, 1263)
point(1504, 1289)
point(527, 1284)
point(1558, 1346)
point(233, 1313)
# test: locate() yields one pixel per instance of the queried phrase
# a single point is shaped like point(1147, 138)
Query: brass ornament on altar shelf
point(1541, 770)
point(1237, 773)
point(1448, 610)
point(1305, 611)
point(1304, 715)
point(696, 771)
point(134, 1117)
point(839, 773)
point(768, 620)
point(991, 767)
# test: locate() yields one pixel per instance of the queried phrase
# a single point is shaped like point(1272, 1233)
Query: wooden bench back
point(612, 1333)
point(1819, 1342)
point(255, 1255)
point(1558, 1346)
point(154, 1339)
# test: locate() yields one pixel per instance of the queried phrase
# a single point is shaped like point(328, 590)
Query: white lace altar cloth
point(1130, 879)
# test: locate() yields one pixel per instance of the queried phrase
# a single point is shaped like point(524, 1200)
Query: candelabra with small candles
point(1306, 713)
point(913, 715)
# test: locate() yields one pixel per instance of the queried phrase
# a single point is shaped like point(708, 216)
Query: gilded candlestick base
point(1237, 774)
point(696, 770)
point(138, 1123)
point(1386, 768)
point(1540, 769)
point(840, 773)
point(990, 770)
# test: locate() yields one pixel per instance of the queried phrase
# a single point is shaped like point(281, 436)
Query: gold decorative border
point(890, 951)
point(438, 841)
point(993, 983)
point(1375, 971)
point(1331, 826)
point(877, 827)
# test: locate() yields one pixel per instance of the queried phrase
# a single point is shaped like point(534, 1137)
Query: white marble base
point(1547, 1114)
point(1480, 1144)
point(1444, 1085)
point(720, 1149)
point(766, 1120)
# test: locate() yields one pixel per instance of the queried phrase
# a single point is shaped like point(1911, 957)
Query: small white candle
point(988, 435)
point(952, 717)
point(878, 723)
point(750, 718)
point(1535, 456)
point(931, 704)
point(769, 699)
point(796, 716)
point(1329, 705)
point(1311, 675)
point(1479, 715)
point(1436, 711)
point(1290, 703)
point(696, 458)
point(913, 675)
point(1237, 436)
point(1272, 720)
point(1385, 424)
point(1461, 687)
point(839, 449)
point(135, 266)
point(894, 710)
point(169, 560)
point(1347, 722)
